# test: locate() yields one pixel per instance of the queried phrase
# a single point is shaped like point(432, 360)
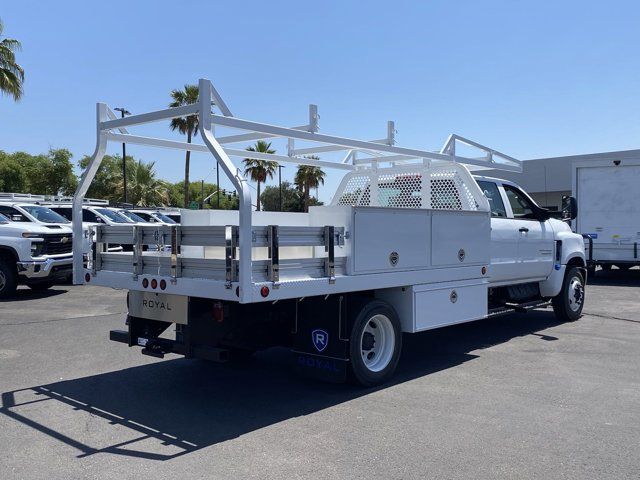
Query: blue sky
point(528, 78)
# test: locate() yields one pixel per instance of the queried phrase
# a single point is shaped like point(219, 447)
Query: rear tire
point(8, 278)
point(375, 344)
point(568, 304)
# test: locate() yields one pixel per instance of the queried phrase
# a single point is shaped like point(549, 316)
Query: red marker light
point(163, 284)
point(264, 291)
point(484, 270)
point(87, 277)
point(145, 282)
point(154, 283)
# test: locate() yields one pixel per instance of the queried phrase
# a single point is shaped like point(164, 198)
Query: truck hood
point(17, 229)
point(559, 226)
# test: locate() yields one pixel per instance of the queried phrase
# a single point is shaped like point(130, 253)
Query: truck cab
point(531, 252)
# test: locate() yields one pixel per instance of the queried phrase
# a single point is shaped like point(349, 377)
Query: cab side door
point(535, 237)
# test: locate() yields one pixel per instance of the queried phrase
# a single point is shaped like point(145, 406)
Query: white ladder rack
point(360, 154)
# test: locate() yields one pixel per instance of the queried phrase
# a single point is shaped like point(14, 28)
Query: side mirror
point(99, 220)
point(569, 208)
point(16, 218)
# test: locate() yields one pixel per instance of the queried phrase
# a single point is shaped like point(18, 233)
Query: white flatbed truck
point(410, 242)
point(608, 205)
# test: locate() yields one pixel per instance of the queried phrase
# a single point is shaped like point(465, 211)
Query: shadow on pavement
point(23, 294)
point(170, 408)
point(616, 278)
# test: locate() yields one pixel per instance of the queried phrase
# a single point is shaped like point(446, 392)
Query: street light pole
point(124, 112)
point(218, 182)
point(280, 167)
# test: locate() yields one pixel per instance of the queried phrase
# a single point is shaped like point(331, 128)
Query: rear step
point(517, 307)
point(158, 347)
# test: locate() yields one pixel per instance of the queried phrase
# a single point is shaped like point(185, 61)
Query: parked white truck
point(32, 254)
point(410, 242)
point(606, 192)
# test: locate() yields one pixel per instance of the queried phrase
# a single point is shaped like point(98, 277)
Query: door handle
point(523, 229)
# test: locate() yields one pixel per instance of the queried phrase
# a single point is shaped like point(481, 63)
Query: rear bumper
point(49, 268)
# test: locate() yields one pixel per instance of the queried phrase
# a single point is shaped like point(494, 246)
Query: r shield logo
point(320, 339)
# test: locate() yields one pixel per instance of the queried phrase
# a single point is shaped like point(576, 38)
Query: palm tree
point(145, 188)
point(11, 74)
point(185, 125)
point(260, 170)
point(308, 177)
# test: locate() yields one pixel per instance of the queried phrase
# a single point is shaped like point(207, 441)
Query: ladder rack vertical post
point(175, 251)
point(240, 184)
point(85, 181)
point(330, 261)
point(274, 255)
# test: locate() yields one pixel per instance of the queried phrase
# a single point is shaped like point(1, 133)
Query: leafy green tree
point(49, 174)
point(292, 199)
point(107, 183)
point(228, 200)
point(11, 74)
point(260, 170)
point(12, 177)
point(185, 125)
point(144, 188)
point(308, 177)
point(62, 175)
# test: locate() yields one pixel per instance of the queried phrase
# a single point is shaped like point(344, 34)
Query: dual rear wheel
point(375, 344)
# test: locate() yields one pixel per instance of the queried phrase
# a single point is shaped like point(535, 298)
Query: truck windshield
point(111, 215)
point(44, 214)
point(163, 218)
point(132, 216)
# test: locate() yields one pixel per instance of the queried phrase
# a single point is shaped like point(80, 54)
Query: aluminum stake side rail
point(410, 241)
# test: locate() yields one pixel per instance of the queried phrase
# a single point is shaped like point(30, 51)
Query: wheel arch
point(576, 261)
point(8, 252)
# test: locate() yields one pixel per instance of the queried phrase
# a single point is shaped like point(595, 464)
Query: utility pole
point(124, 112)
point(202, 193)
point(280, 167)
point(218, 182)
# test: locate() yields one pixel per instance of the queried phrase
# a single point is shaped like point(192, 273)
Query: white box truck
point(608, 201)
point(411, 241)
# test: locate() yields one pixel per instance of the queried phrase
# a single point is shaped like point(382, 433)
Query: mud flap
point(321, 338)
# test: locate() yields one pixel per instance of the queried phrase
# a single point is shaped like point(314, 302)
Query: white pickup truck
point(411, 241)
point(32, 254)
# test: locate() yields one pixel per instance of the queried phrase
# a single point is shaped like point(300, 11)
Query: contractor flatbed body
point(407, 244)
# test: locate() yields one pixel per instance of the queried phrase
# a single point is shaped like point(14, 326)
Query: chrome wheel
point(377, 343)
point(575, 294)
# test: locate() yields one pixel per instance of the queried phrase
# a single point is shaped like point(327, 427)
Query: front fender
point(572, 247)
point(572, 253)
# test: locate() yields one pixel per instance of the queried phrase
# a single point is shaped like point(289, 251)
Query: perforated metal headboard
point(439, 187)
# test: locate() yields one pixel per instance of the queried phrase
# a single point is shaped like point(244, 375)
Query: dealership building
point(548, 179)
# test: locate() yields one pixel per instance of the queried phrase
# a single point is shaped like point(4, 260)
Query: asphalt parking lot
point(520, 397)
